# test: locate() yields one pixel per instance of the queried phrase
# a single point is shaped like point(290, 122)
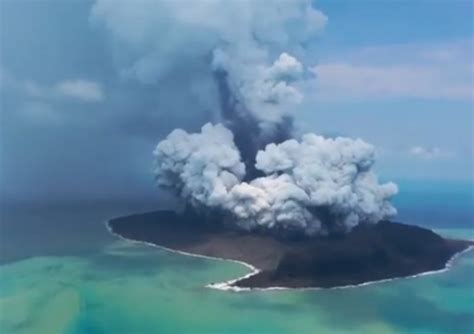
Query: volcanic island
point(368, 253)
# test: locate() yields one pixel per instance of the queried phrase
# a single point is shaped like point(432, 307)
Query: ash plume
point(249, 62)
point(315, 186)
point(265, 93)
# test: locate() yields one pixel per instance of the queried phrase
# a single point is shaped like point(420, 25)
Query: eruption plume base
point(315, 186)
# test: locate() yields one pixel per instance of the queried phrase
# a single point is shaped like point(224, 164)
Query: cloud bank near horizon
point(429, 71)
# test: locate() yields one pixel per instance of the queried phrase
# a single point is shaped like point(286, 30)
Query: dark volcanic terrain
point(367, 253)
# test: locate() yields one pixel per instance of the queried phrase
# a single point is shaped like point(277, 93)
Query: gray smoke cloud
point(240, 58)
point(246, 62)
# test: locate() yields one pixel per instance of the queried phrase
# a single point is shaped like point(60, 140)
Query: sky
point(398, 74)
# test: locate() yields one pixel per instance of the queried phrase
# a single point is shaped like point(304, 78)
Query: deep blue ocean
point(445, 204)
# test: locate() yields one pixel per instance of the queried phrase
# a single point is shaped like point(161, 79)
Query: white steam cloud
point(246, 61)
point(202, 167)
point(315, 186)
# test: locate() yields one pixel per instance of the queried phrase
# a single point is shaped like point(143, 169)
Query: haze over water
point(62, 272)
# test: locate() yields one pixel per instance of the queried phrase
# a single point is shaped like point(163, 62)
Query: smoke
point(315, 186)
point(239, 57)
point(251, 61)
point(335, 176)
point(254, 100)
point(201, 167)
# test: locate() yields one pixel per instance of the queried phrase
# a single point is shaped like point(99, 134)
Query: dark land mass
point(367, 253)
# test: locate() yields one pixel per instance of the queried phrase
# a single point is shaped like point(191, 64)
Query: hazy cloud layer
point(74, 90)
point(428, 152)
point(424, 71)
point(87, 91)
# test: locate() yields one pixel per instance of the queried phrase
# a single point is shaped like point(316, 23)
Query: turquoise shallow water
point(107, 285)
point(131, 288)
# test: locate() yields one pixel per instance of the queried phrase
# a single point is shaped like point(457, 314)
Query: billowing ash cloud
point(201, 167)
point(255, 98)
point(315, 186)
point(329, 178)
point(248, 61)
point(239, 58)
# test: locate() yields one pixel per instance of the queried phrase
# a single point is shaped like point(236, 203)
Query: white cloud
point(443, 71)
point(365, 81)
point(87, 91)
point(78, 90)
point(44, 104)
point(428, 152)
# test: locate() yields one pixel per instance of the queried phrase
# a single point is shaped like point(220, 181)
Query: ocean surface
point(62, 272)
